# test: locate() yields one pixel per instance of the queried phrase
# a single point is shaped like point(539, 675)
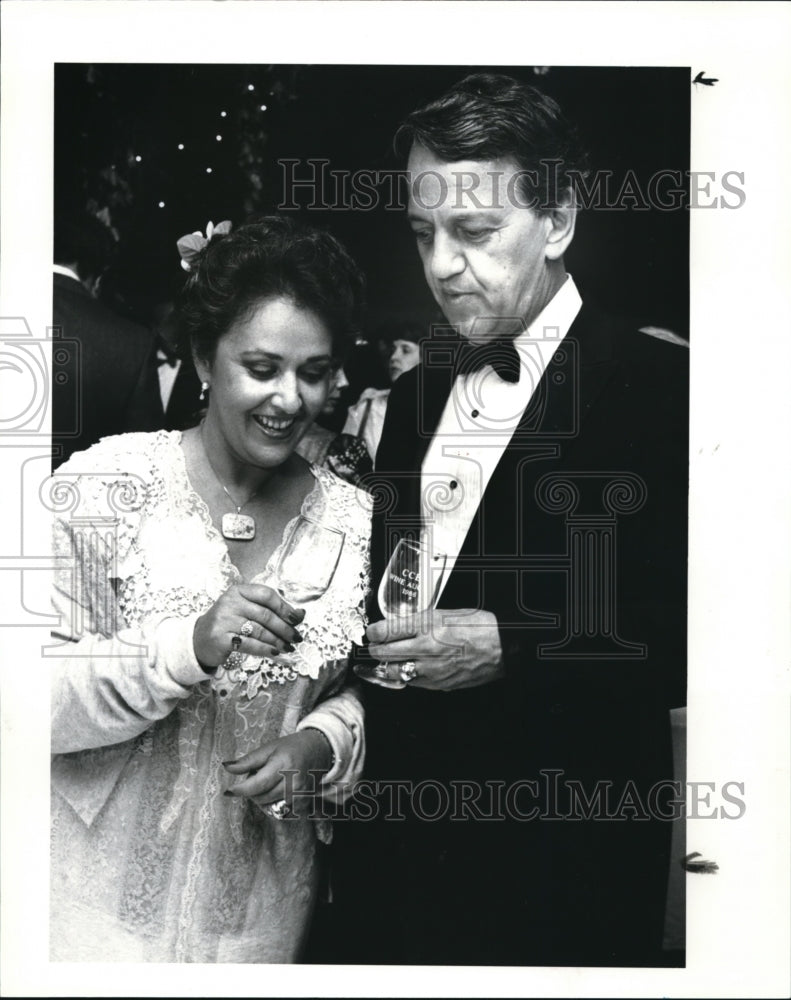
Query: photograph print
point(369, 492)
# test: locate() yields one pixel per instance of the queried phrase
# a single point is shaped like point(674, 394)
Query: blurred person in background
point(105, 378)
point(366, 417)
point(343, 454)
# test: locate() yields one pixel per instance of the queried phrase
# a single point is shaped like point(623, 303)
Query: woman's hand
point(282, 768)
point(273, 624)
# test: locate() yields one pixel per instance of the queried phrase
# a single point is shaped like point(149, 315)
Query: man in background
point(105, 377)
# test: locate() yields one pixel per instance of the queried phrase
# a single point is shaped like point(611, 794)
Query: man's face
point(483, 252)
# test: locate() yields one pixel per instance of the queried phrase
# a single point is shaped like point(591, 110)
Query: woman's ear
point(202, 367)
point(560, 232)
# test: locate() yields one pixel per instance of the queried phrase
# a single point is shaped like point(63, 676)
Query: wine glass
point(410, 585)
point(306, 564)
point(307, 560)
point(411, 580)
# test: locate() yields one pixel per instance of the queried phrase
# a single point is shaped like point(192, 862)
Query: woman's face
point(403, 356)
point(337, 384)
point(269, 379)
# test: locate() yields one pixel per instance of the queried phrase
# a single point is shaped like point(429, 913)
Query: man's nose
point(446, 258)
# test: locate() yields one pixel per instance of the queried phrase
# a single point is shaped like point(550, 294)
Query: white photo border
point(740, 495)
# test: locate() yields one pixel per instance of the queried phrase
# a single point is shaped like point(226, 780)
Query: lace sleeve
point(108, 683)
point(340, 716)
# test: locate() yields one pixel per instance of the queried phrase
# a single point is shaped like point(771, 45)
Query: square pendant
point(238, 527)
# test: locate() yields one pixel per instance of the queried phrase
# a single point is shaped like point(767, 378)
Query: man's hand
point(451, 649)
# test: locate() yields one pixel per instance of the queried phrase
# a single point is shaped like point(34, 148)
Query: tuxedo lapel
point(435, 382)
point(550, 428)
point(545, 441)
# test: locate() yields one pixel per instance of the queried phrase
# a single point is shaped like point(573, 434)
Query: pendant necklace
point(237, 527)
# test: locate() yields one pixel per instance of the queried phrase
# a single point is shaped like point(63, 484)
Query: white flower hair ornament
point(190, 247)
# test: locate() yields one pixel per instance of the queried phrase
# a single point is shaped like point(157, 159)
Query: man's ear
point(560, 229)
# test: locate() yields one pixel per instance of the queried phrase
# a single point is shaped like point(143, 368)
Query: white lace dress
point(150, 861)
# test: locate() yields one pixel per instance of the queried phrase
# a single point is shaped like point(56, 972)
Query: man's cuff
point(337, 736)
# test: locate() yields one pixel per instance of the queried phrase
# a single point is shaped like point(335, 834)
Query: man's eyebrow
point(479, 215)
point(462, 215)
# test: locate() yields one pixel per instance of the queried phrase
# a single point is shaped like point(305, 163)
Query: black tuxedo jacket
point(104, 372)
point(184, 406)
point(579, 549)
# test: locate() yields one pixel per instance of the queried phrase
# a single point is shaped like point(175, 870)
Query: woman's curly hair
point(274, 256)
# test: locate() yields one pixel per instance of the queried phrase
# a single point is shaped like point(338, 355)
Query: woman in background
point(343, 454)
point(367, 416)
point(176, 836)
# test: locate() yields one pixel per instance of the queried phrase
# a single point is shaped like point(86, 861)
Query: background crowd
point(147, 153)
point(117, 373)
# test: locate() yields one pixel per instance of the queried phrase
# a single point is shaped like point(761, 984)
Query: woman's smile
point(276, 427)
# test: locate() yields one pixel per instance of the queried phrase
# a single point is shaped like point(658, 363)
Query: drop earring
point(204, 388)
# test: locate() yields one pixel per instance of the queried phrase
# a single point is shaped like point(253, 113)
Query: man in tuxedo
point(105, 368)
point(179, 385)
point(519, 756)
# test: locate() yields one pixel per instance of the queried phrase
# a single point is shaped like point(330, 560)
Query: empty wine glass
point(307, 561)
point(306, 565)
point(410, 585)
point(411, 580)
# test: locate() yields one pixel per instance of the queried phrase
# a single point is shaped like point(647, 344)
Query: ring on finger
point(279, 810)
point(235, 657)
point(407, 671)
point(247, 628)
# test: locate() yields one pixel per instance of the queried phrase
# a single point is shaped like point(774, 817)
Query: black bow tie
point(500, 354)
point(165, 354)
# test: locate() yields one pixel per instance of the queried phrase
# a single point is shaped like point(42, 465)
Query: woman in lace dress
point(168, 754)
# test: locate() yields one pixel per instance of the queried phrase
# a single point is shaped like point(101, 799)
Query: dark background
point(634, 262)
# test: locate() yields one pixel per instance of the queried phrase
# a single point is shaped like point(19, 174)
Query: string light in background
point(235, 160)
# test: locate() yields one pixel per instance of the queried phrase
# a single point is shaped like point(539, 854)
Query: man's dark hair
point(402, 329)
point(488, 116)
point(83, 239)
